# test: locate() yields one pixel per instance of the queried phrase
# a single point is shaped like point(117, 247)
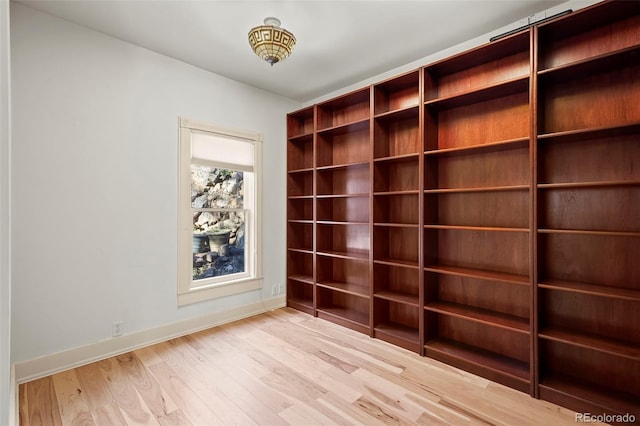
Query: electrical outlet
point(274, 290)
point(116, 329)
point(280, 288)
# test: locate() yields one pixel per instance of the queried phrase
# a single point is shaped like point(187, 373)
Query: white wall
point(7, 390)
point(94, 182)
point(453, 50)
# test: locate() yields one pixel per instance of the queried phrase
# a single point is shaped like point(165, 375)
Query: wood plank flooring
point(279, 368)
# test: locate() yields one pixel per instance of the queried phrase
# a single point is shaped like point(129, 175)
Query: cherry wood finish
point(396, 175)
point(588, 192)
point(483, 210)
point(300, 209)
point(397, 145)
point(344, 111)
point(343, 181)
point(477, 211)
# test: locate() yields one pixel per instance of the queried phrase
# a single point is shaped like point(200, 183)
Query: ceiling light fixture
point(270, 42)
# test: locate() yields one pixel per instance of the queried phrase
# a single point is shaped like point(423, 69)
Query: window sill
point(196, 295)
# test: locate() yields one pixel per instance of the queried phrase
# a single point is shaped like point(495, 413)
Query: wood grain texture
point(300, 122)
point(397, 93)
point(557, 51)
point(283, 367)
point(344, 146)
point(349, 180)
point(300, 184)
point(396, 136)
point(396, 175)
point(347, 109)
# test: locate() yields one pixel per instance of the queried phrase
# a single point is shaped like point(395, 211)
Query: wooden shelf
point(477, 228)
point(593, 342)
point(343, 180)
point(397, 262)
point(301, 304)
point(402, 192)
point(303, 170)
point(593, 65)
point(356, 164)
point(408, 299)
point(300, 197)
point(578, 185)
point(487, 54)
point(481, 189)
point(300, 184)
point(304, 137)
point(589, 33)
point(299, 250)
point(327, 196)
point(401, 331)
point(307, 279)
point(410, 156)
point(517, 143)
point(592, 289)
point(492, 91)
point(349, 288)
point(359, 320)
point(343, 146)
point(495, 319)
point(339, 222)
point(396, 175)
point(397, 322)
point(300, 124)
point(477, 203)
point(478, 273)
point(503, 369)
point(397, 225)
point(581, 395)
point(590, 133)
point(300, 210)
point(343, 111)
point(589, 232)
point(567, 104)
point(351, 126)
point(397, 94)
point(300, 221)
point(421, 208)
point(410, 111)
point(344, 255)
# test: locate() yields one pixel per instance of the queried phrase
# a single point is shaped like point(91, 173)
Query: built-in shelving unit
point(483, 210)
point(343, 188)
point(396, 218)
point(300, 209)
point(588, 209)
point(477, 211)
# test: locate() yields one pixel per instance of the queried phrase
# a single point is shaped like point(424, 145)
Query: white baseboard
point(51, 364)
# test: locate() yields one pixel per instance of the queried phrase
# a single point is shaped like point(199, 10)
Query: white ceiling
point(339, 42)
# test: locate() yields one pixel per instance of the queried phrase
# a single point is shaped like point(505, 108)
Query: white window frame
point(251, 279)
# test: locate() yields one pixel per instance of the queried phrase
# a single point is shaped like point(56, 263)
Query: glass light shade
point(270, 42)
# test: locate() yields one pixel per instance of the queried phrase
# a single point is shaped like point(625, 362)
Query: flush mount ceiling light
point(270, 42)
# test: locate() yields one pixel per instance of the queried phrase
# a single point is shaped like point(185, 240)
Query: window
point(219, 211)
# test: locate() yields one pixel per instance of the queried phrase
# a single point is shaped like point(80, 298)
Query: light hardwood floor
point(279, 368)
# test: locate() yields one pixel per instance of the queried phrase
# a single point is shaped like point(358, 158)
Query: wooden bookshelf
point(397, 145)
point(476, 211)
point(300, 209)
point(588, 204)
point(483, 210)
